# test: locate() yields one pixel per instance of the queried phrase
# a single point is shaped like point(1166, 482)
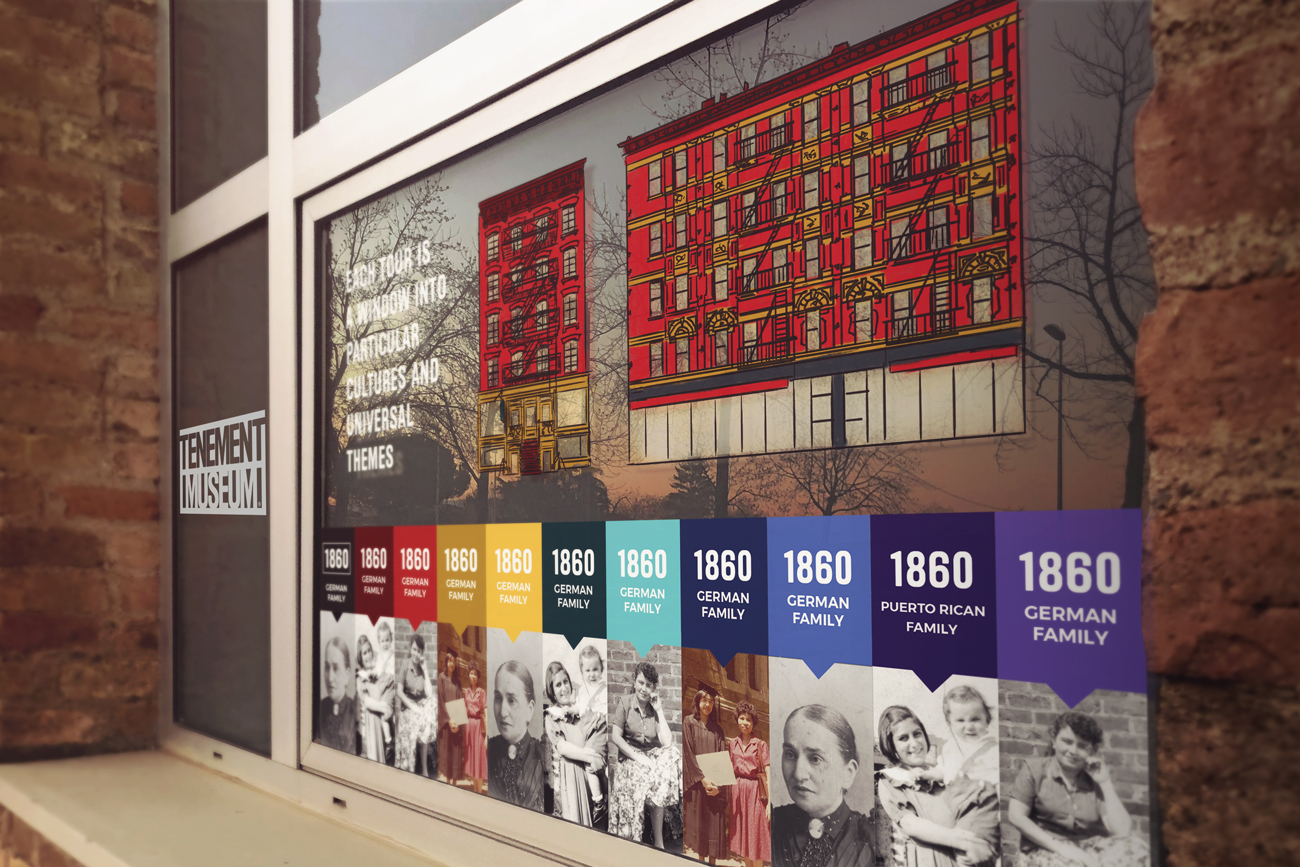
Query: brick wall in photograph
point(79, 541)
point(1025, 715)
point(1219, 370)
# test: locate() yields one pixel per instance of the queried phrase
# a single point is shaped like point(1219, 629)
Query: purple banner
point(1069, 597)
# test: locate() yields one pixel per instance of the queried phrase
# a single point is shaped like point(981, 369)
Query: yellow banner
point(514, 578)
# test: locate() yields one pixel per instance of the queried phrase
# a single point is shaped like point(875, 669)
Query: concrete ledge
point(152, 809)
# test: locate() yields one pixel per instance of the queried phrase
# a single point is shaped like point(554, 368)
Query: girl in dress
point(704, 805)
point(593, 701)
point(375, 691)
point(450, 735)
point(574, 760)
point(751, 836)
point(418, 723)
point(476, 732)
point(923, 811)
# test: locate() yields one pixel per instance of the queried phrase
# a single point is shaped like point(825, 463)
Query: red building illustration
point(832, 258)
point(533, 326)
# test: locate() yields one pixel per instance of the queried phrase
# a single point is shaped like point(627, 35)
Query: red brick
point(137, 720)
point(28, 631)
point(139, 200)
point(132, 418)
point(25, 546)
point(138, 593)
point(39, 362)
point(133, 375)
point(1219, 139)
point(43, 176)
point(54, 453)
point(99, 680)
point(137, 635)
point(112, 326)
point(46, 728)
point(20, 496)
point(20, 128)
point(26, 268)
point(54, 590)
point(32, 218)
point(134, 550)
point(112, 504)
point(125, 67)
point(136, 461)
point(20, 312)
point(133, 108)
point(78, 138)
point(48, 43)
point(129, 28)
point(75, 12)
point(32, 408)
point(36, 85)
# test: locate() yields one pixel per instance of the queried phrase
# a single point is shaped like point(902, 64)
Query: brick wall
point(1025, 715)
point(78, 377)
point(22, 846)
point(667, 661)
point(1219, 182)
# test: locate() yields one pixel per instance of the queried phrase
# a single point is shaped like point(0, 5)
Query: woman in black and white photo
point(1065, 806)
point(649, 769)
point(516, 763)
point(417, 723)
point(338, 710)
point(375, 692)
point(819, 764)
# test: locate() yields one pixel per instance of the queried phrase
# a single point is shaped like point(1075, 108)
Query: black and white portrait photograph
point(337, 721)
point(821, 774)
point(417, 698)
point(937, 779)
point(645, 733)
point(575, 725)
point(1078, 792)
point(376, 684)
point(516, 756)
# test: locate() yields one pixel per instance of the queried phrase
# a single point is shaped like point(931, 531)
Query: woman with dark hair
point(577, 745)
point(516, 766)
point(704, 805)
point(751, 838)
point(1065, 805)
point(417, 724)
point(475, 744)
point(819, 762)
point(923, 813)
point(450, 736)
point(375, 695)
point(649, 764)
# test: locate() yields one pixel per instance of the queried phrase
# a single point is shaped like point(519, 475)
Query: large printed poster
point(687, 456)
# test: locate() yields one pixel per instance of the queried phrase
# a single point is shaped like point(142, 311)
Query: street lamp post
point(1059, 336)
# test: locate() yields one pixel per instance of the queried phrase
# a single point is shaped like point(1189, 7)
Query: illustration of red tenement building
point(533, 327)
point(832, 258)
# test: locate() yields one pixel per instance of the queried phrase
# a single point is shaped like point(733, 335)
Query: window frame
point(396, 131)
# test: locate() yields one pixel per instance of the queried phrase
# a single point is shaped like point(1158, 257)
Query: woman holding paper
point(751, 837)
point(649, 764)
point(704, 804)
point(476, 732)
point(450, 735)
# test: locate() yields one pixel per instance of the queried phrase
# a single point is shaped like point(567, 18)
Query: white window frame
point(398, 129)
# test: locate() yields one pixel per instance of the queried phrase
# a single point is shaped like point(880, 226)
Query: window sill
point(155, 809)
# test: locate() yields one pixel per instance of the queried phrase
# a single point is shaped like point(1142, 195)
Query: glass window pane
point(218, 92)
point(222, 573)
point(351, 46)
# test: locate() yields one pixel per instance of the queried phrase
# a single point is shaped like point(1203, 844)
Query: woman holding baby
point(575, 739)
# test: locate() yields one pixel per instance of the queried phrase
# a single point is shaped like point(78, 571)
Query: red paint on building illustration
point(533, 375)
point(832, 258)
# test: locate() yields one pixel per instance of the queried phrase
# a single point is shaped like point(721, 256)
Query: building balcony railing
point(530, 287)
point(516, 375)
point(768, 350)
point(929, 239)
point(921, 164)
point(919, 326)
point(919, 85)
point(759, 281)
point(529, 328)
point(529, 244)
point(763, 212)
point(771, 139)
